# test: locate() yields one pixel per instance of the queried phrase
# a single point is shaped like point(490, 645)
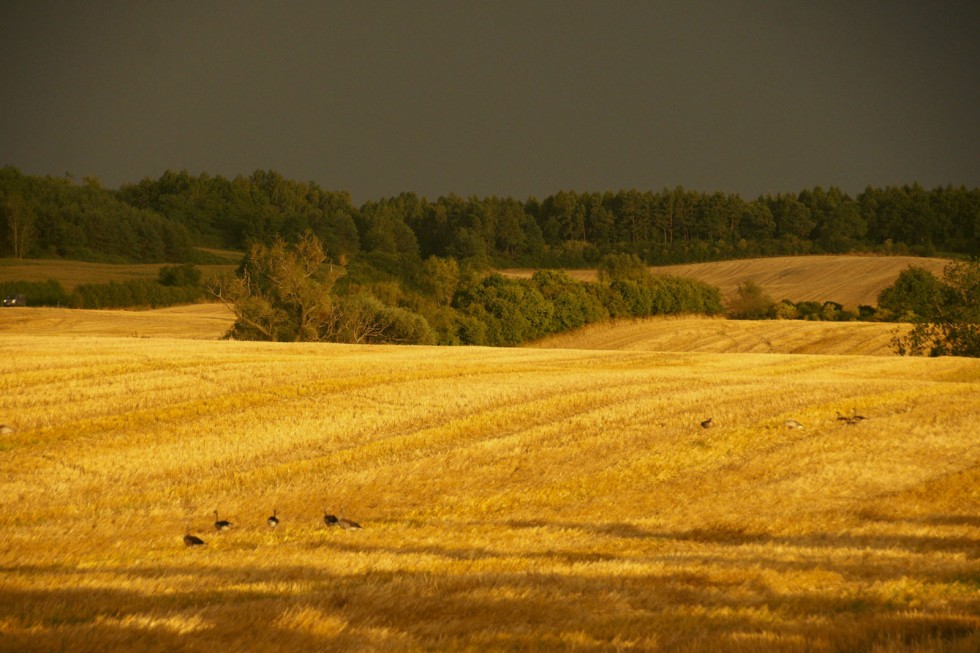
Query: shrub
point(750, 302)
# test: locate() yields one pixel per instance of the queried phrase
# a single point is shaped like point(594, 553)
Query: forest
point(169, 218)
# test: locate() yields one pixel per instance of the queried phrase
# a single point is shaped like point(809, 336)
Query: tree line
point(175, 284)
point(295, 292)
point(168, 218)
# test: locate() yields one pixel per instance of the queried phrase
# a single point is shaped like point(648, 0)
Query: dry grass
point(848, 280)
point(512, 499)
point(700, 334)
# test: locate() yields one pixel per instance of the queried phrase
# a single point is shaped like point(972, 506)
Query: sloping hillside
point(848, 280)
point(722, 336)
point(511, 499)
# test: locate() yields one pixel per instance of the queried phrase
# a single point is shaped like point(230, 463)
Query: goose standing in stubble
point(221, 525)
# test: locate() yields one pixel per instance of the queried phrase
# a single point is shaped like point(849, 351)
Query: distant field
point(512, 499)
point(198, 321)
point(731, 336)
point(848, 280)
point(677, 334)
point(74, 273)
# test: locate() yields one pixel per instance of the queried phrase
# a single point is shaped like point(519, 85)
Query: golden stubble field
point(693, 333)
point(512, 499)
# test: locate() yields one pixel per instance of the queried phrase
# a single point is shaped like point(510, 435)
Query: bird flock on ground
point(223, 525)
point(850, 420)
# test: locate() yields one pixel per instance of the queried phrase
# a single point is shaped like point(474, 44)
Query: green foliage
point(514, 311)
point(56, 218)
point(164, 219)
point(622, 267)
point(785, 310)
point(363, 319)
point(752, 303)
point(916, 294)
point(286, 292)
point(37, 293)
point(282, 292)
point(953, 329)
point(142, 293)
point(180, 275)
point(235, 213)
point(420, 265)
point(440, 278)
point(572, 306)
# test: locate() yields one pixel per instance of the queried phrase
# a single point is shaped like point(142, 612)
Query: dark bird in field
point(221, 525)
point(850, 420)
point(708, 423)
point(272, 521)
point(192, 540)
point(342, 522)
point(348, 525)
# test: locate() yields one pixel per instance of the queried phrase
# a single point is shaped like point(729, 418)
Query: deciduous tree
point(954, 329)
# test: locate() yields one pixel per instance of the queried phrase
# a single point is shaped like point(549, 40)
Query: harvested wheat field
point(204, 321)
point(717, 335)
point(848, 280)
point(511, 499)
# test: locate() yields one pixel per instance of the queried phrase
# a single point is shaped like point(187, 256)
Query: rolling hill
point(858, 279)
point(848, 280)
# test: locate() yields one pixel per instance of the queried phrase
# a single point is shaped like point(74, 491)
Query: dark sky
point(513, 98)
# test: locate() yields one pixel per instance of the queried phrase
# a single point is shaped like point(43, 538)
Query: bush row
point(500, 311)
point(175, 285)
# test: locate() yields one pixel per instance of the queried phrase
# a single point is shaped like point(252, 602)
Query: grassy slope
point(512, 499)
point(848, 280)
